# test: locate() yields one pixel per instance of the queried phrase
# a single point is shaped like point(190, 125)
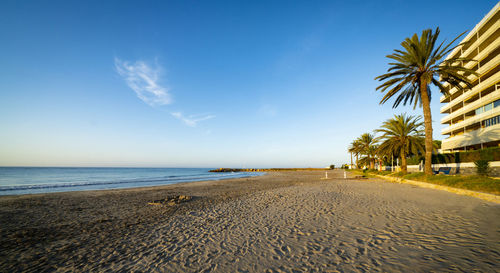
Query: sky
point(203, 83)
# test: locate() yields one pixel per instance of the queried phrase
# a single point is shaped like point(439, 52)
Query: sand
point(280, 222)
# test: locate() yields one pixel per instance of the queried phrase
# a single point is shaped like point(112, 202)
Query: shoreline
point(115, 185)
point(278, 221)
point(141, 188)
point(159, 187)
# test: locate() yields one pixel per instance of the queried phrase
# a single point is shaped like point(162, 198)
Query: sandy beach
point(280, 222)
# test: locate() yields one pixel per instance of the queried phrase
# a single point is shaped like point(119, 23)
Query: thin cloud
point(144, 80)
point(191, 120)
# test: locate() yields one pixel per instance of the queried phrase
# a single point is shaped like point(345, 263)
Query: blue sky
point(202, 83)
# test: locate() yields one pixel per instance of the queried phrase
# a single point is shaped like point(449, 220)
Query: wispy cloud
point(144, 80)
point(191, 120)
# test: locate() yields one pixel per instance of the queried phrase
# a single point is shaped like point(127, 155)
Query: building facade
point(473, 115)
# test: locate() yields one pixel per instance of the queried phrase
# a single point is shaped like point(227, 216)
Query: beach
point(281, 222)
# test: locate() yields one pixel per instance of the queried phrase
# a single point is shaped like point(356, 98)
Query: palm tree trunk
point(428, 127)
point(357, 164)
point(351, 159)
point(404, 165)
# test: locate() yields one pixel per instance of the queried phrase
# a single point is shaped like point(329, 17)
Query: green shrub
point(490, 154)
point(482, 167)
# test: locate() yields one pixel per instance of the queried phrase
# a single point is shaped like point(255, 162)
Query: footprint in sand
point(363, 250)
point(277, 251)
point(286, 249)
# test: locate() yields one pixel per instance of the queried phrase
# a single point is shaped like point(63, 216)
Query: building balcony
point(470, 65)
point(491, 64)
point(488, 33)
point(471, 120)
point(483, 135)
point(476, 28)
point(474, 105)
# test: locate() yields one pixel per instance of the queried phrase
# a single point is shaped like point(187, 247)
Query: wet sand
point(280, 222)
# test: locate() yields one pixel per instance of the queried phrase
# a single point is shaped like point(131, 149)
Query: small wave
point(155, 180)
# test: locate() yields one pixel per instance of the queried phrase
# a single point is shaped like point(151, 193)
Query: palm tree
point(350, 150)
point(401, 135)
point(416, 67)
point(382, 156)
point(368, 148)
point(356, 149)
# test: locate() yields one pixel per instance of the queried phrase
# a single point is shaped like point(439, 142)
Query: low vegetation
point(490, 154)
point(472, 182)
point(483, 167)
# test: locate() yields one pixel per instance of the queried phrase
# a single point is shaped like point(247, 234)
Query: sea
point(30, 180)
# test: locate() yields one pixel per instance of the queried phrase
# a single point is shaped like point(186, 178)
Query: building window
point(491, 121)
point(488, 107)
point(479, 110)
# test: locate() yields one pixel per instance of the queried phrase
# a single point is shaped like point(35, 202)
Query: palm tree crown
point(368, 147)
point(416, 67)
point(402, 135)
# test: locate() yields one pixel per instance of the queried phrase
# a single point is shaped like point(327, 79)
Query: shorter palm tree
point(356, 150)
point(402, 135)
point(368, 148)
point(382, 156)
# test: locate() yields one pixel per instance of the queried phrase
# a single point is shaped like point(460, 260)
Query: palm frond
point(421, 62)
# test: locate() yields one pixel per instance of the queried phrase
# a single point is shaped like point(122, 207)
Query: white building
point(473, 115)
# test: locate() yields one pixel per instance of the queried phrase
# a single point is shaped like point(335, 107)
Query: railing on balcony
point(477, 103)
point(482, 135)
point(471, 120)
point(488, 82)
point(479, 57)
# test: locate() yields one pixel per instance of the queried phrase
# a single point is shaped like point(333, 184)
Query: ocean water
point(28, 180)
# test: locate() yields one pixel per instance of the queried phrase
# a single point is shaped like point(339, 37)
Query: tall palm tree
point(401, 135)
point(418, 65)
point(368, 148)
